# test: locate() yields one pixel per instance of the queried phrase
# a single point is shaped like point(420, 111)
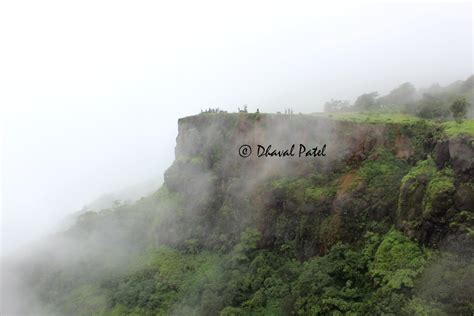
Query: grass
point(374, 117)
point(453, 128)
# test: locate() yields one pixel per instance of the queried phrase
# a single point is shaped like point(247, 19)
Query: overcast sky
point(91, 90)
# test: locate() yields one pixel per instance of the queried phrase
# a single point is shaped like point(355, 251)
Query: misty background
point(90, 92)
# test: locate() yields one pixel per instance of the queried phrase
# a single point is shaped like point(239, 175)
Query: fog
point(91, 92)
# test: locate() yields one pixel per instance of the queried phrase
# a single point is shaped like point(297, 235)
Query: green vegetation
point(434, 103)
point(373, 117)
point(304, 190)
point(317, 194)
point(255, 281)
point(453, 128)
point(397, 262)
point(439, 192)
point(426, 188)
point(459, 108)
point(382, 170)
point(425, 168)
point(358, 234)
point(432, 107)
point(448, 278)
point(367, 102)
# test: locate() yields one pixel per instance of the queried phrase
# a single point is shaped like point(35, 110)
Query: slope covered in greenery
point(383, 224)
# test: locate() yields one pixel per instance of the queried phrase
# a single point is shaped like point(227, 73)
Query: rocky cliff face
point(341, 229)
point(372, 176)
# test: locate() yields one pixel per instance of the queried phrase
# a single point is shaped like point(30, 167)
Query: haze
point(91, 91)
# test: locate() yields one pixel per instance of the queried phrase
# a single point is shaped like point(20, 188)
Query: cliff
point(375, 216)
point(373, 175)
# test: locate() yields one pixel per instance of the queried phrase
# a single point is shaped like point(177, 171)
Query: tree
point(432, 107)
point(400, 96)
point(459, 109)
point(336, 106)
point(468, 85)
point(367, 102)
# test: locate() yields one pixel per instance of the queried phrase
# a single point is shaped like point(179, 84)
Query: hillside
point(382, 223)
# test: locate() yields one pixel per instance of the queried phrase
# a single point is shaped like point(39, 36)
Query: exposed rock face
point(464, 196)
point(441, 153)
point(411, 198)
point(461, 151)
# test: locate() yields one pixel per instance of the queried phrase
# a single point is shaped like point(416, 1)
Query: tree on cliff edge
point(367, 102)
point(459, 109)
